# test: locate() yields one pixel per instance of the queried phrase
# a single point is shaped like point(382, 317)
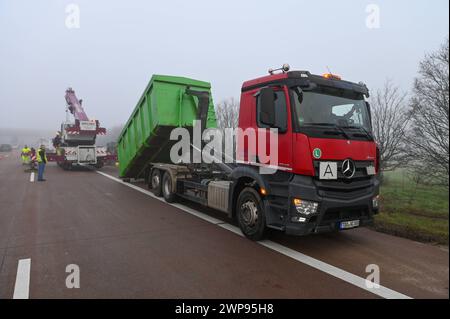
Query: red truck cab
point(326, 175)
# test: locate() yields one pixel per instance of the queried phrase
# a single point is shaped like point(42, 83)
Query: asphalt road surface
point(127, 244)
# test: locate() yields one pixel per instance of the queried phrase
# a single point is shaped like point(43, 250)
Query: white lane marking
point(22, 286)
point(333, 271)
point(179, 206)
point(32, 177)
point(307, 260)
point(231, 228)
point(320, 265)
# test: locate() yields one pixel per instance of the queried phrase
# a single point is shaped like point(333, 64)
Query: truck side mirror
point(267, 106)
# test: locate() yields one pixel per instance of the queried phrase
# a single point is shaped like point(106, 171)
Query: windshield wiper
point(366, 132)
point(337, 127)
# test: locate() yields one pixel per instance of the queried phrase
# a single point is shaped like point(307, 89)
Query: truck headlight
point(375, 201)
point(305, 207)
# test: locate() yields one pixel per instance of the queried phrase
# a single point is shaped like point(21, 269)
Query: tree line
point(412, 129)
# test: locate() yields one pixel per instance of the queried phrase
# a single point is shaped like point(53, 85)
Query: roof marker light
point(332, 76)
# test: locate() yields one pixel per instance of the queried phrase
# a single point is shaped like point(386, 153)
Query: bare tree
point(429, 140)
point(227, 113)
point(390, 122)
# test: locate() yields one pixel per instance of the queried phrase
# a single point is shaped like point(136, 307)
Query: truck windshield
point(346, 112)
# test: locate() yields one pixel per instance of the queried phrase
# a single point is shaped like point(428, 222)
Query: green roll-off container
point(167, 102)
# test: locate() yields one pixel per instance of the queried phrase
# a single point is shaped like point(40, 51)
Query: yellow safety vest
point(39, 158)
point(26, 150)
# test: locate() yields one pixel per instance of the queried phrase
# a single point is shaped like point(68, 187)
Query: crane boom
point(74, 106)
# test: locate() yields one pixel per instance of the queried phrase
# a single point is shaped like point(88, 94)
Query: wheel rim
point(249, 213)
point(155, 181)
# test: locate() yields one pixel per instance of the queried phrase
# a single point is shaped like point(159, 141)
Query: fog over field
point(33, 137)
point(20, 137)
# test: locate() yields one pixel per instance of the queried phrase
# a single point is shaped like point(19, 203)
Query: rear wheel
point(155, 182)
point(168, 194)
point(67, 166)
point(99, 164)
point(250, 214)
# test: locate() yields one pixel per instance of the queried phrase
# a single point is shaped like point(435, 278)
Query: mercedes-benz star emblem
point(348, 168)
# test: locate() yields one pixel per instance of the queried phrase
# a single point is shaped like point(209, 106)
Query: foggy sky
point(120, 44)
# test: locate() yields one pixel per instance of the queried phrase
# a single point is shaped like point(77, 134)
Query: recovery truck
point(75, 143)
point(328, 162)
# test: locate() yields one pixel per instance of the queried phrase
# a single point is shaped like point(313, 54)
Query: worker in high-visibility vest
point(41, 158)
point(26, 155)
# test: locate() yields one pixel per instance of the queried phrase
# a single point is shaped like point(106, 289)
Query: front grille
point(343, 188)
point(360, 171)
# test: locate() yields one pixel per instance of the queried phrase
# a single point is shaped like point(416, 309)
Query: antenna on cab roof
point(329, 71)
point(331, 76)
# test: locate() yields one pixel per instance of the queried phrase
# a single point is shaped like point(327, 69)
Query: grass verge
point(411, 210)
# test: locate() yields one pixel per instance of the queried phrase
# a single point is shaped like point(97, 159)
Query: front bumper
point(337, 203)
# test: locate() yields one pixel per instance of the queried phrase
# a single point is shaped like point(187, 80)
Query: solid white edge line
point(32, 177)
point(191, 211)
point(333, 271)
point(302, 258)
point(231, 228)
point(22, 285)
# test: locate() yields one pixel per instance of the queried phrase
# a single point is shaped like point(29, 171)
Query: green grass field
point(411, 210)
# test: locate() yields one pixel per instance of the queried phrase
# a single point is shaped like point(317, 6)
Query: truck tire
point(99, 164)
point(67, 166)
point(250, 214)
point(155, 182)
point(168, 194)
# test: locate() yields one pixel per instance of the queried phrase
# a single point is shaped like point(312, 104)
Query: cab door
point(283, 149)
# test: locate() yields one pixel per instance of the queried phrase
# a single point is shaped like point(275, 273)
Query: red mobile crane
point(75, 143)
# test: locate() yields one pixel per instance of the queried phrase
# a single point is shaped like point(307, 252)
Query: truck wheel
point(99, 164)
point(155, 181)
point(168, 194)
point(250, 214)
point(67, 166)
